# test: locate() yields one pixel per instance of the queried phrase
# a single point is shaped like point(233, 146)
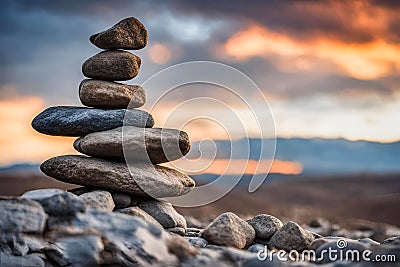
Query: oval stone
point(151, 144)
point(78, 121)
point(105, 94)
point(158, 181)
point(113, 65)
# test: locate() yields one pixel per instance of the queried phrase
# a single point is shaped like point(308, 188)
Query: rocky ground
point(53, 227)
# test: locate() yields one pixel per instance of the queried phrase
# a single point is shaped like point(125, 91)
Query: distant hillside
point(323, 156)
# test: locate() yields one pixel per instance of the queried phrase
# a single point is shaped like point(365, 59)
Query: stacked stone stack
point(108, 182)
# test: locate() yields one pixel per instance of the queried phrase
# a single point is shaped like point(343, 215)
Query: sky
point(328, 69)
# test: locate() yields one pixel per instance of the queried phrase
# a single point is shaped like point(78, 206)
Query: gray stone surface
point(81, 250)
point(98, 199)
point(127, 34)
point(255, 248)
point(31, 260)
point(127, 240)
point(21, 215)
point(141, 214)
point(164, 213)
point(265, 225)
point(229, 230)
point(112, 65)
point(78, 121)
point(197, 241)
point(291, 237)
point(105, 94)
point(56, 201)
point(177, 230)
point(350, 245)
point(121, 200)
point(159, 181)
point(393, 241)
point(153, 145)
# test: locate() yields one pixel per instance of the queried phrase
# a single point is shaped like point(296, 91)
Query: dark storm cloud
point(303, 19)
point(44, 42)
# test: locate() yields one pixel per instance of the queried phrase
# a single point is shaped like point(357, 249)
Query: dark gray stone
point(127, 34)
point(229, 230)
point(112, 65)
point(255, 248)
point(393, 241)
point(13, 243)
point(21, 215)
point(291, 237)
point(197, 241)
point(158, 180)
point(269, 261)
point(56, 201)
point(265, 225)
point(105, 94)
point(350, 245)
point(164, 213)
point(78, 121)
point(177, 230)
point(31, 260)
point(121, 200)
point(81, 250)
point(153, 145)
point(369, 242)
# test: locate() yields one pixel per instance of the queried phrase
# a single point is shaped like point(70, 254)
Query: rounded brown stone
point(158, 181)
point(105, 94)
point(156, 145)
point(128, 34)
point(113, 65)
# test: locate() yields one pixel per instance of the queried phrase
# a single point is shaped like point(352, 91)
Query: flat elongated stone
point(77, 121)
point(154, 145)
point(157, 180)
point(113, 65)
point(21, 215)
point(105, 94)
point(128, 34)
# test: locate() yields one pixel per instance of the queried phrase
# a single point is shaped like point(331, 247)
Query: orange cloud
point(370, 60)
point(18, 141)
point(236, 166)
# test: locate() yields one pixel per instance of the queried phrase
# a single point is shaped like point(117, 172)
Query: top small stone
point(127, 34)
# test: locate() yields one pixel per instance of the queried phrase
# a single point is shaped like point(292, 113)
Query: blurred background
point(329, 70)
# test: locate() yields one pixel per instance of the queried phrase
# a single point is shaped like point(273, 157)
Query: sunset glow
point(236, 166)
point(18, 141)
point(365, 61)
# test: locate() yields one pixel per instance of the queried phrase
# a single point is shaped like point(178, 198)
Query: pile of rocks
point(109, 183)
point(52, 227)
